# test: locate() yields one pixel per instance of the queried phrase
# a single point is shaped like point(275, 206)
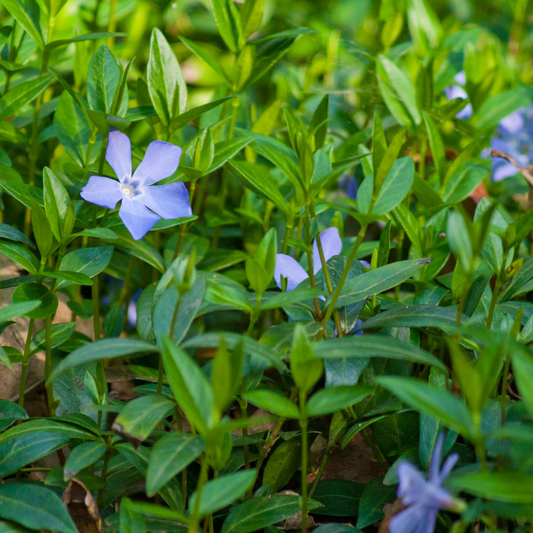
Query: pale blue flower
point(142, 204)
point(424, 497)
point(349, 185)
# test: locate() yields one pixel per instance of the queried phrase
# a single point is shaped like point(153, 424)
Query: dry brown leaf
point(82, 507)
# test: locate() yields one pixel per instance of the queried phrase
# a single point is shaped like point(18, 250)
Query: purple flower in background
point(142, 205)
point(457, 91)
point(514, 136)
point(349, 185)
point(424, 498)
point(289, 268)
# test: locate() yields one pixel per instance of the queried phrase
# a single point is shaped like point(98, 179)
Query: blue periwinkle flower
point(514, 136)
point(289, 268)
point(142, 204)
point(349, 185)
point(457, 91)
point(424, 497)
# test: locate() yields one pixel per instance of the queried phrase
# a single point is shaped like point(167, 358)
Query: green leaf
point(189, 385)
point(258, 179)
point(102, 80)
point(58, 206)
point(328, 401)
point(282, 464)
point(35, 507)
point(189, 305)
point(31, 292)
point(193, 114)
point(227, 367)
point(259, 513)
point(273, 402)
point(220, 492)
point(274, 300)
point(340, 497)
point(306, 369)
point(141, 249)
point(88, 261)
point(501, 105)
point(414, 316)
point(440, 404)
point(59, 334)
point(436, 145)
point(166, 84)
point(171, 454)
point(13, 234)
point(466, 178)
point(251, 17)
point(513, 487)
point(206, 56)
point(18, 309)
point(10, 411)
point(378, 280)
point(73, 277)
point(523, 367)
point(20, 255)
point(365, 346)
point(394, 189)
point(226, 23)
point(84, 37)
point(27, 14)
point(20, 95)
point(140, 416)
point(102, 349)
point(388, 159)
point(21, 450)
point(374, 496)
point(83, 456)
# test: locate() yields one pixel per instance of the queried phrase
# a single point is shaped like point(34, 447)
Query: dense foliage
point(294, 243)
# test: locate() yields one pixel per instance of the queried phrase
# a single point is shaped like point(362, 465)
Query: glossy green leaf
point(379, 280)
point(166, 84)
point(88, 261)
point(282, 464)
point(102, 80)
point(83, 456)
point(27, 14)
point(35, 506)
point(365, 346)
point(440, 404)
point(10, 412)
point(222, 491)
point(513, 487)
point(31, 292)
point(103, 349)
point(328, 401)
point(59, 333)
point(20, 255)
point(273, 402)
point(226, 22)
point(140, 416)
point(171, 454)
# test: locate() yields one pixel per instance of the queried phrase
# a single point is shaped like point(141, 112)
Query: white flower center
point(127, 191)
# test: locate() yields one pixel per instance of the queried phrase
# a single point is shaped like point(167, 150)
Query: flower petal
point(513, 123)
point(331, 245)
point(408, 520)
point(136, 217)
point(412, 487)
point(118, 154)
point(503, 170)
point(436, 456)
point(365, 264)
point(447, 467)
point(288, 267)
point(160, 161)
point(168, 201)
point(104, 192)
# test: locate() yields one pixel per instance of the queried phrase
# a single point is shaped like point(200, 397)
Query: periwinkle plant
point(199, 225)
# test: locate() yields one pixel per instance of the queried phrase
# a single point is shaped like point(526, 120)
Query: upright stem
point(504, 387)
point(25, 361)
point(48, 366)
point(310, 261)
point(344, 275)
point(303, 427)
point(289, 230)
point(244, 415)
point(112, 23)
point(96, 308)
point(193, 524)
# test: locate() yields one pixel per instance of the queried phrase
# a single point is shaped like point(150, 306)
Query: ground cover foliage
point(284, 233)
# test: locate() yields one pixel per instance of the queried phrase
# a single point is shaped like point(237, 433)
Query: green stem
point(96, 308)
point(193, 524)
point(25, 361)
point(504, 386)
point(48, 366)
point(103, 476)
point(494, 299)
point(323, 464)
point(309, 248)
point(254, 315)
point(244, 415)
point(298, 237)
point(303, 427)
point(344, 275)
point(376, 451)
point(289, 230)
